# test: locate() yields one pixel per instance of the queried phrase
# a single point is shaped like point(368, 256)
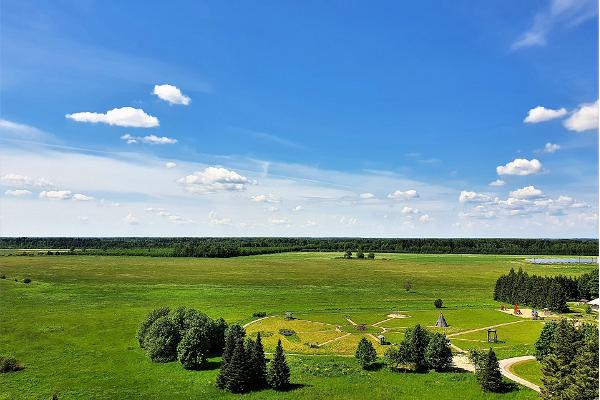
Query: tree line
point(544, 291)
point(232, 247)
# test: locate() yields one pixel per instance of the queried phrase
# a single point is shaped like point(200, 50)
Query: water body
point(572, 260)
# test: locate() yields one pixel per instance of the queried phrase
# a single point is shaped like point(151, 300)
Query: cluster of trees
point(359, 254)
point(420, 350)
point(487, 370)
point(230, 247)
point(569, 356)
point(244, 366)
point(544, 292)
point(183, 334)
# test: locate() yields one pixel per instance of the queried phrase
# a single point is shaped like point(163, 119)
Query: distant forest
point(232, 247)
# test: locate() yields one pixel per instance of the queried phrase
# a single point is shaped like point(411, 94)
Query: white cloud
point(18, 193)
point(541, 114)
point(171, 94)
point(16, 180)
point(551, 147)
point(473, 197)
point(213, 219)
point(521, 167)
point(82, 197)
point(82, 219)
point(56, 194)
point(425, 218)
point(131, 219)
point(149, 139)
point(527, 192)
point(265, 198)
point(409, 210)
point(367, 196)
point(400, 195)
point(22, 131)
point(124, 116)
point(214, 179)
point(497, 182)
point(349, 221)
point(584, 118)
point(273, 209)
point(170, 165)
point(279, 221)
point(298, 208)
point(560, 13)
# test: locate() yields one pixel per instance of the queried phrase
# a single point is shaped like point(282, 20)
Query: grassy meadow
point(73, 327)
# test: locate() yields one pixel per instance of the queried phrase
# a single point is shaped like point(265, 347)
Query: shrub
point(438, 303)
point(150, 318)
point(438, 354)
point(348, 254)
point(27, 280)
point(259, 314)
point(371, 256)
point(9, 364)
point(588, 309)
point(396, 356)
point(161, 340)
point(2, 276)
point(408, 286)
point(193, 349)
point(365, 353)
point(360, 254)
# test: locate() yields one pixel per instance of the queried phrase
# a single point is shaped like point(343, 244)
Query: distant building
point(595, 304)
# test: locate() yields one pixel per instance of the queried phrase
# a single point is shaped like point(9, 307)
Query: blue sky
point(299, 118)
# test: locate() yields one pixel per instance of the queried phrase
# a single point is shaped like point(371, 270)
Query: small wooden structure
point(360, 327)
point(492, 336)
point(502, 307)
point(289, 315)
point(516, 310)
point(287, 332)
point(441, 322)
point(381, 340)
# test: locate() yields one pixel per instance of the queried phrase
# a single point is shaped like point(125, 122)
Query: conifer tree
point(233, 335)
point(237, 370)
point(279, 373)
point(259, 364)
point(365, 353)
point(438, 354)
point(488, 375)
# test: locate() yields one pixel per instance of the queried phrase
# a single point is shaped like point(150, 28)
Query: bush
point(150, 318)
point(371, 256)
point(193, 349)
point(9, 364)
point(587, 309)
point(259, 314)
point(161, 340)
point(438, 303)
point(2, 276)
point(27, 280)
point(360, 254)
point(365, 353)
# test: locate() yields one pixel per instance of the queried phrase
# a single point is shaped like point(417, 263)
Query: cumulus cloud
point(479, 212)
point(149, 139)
point(18, 193)
point(367, 196)
point(551, 147)
point(265, 198)
point(473, 197)
point(425, 218)
point(16, 180)
point(125, 116)
point(55, 194)
point(214, 219)
point(409, 210)
point(279, 221)
point(527, 192)
point(82, 197)
point(214, 179)
point(171, 94)
point(131, 219)
point(521, 167)
point(497, 182)
point(170, 165)
point(584, 118)
point(403, 195)
point(541, 114)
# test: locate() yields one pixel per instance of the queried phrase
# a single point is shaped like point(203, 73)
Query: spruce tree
point(365, 353)
point(488, 375)
point(259, 364)
point(233, 335)
point(279, 373)
point(235, 374)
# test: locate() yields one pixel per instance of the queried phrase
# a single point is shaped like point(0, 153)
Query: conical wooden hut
point(441, 322)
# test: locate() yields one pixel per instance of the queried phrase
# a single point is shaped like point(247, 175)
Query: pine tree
point(365, 353)
point(233, 335)
point(279, 373)
point(488, 375)
point(235, 375)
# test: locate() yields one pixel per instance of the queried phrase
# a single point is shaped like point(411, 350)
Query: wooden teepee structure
point(441, 322)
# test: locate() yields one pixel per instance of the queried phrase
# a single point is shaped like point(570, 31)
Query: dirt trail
point(505, 370)
point(484, 328)
point(333, 340)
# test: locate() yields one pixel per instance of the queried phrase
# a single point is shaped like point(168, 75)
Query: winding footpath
point(505, 370)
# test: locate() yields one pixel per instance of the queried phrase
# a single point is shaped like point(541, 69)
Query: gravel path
point(505, 370)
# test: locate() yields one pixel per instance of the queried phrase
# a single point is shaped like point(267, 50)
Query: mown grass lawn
point(530, 370)
point(73, 326)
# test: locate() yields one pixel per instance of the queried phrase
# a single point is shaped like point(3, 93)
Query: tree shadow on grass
point(374, 367)
point(211, 365)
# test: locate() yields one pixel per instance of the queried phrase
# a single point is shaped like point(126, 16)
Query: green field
point(73, 327)
point(530, 370)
